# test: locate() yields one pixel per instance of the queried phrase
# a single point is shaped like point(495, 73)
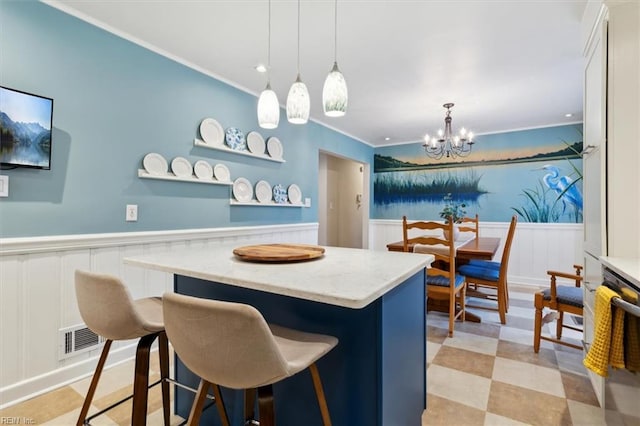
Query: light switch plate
point(307, 202)
point(4, 186)
point(132, 213)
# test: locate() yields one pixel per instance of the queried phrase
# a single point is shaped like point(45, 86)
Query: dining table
point(475, 248)
point(483, 248)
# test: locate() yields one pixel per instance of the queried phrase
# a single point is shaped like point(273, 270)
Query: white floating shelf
point(198, 142)
point(170, 176)
point(256, 203)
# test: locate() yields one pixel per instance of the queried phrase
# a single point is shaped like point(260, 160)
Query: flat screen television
point(25, 129)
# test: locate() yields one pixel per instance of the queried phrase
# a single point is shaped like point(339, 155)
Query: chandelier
point(446, 143)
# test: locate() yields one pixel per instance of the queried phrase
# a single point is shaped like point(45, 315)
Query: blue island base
point(375, 376)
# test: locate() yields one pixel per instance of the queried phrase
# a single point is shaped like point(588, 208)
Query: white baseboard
point(27, 389)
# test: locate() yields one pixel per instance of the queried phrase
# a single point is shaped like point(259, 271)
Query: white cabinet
point(592, 279)
point(611, 165)
point(594, 140)
point(594, 172)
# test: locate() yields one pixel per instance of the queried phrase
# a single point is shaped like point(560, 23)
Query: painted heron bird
point(563, 186)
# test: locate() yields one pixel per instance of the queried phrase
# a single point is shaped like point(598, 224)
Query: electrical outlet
point(131, 213)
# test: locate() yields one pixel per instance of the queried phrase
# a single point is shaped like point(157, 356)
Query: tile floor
point(487, 374)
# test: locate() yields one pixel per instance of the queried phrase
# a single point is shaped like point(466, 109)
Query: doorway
point(343, 205)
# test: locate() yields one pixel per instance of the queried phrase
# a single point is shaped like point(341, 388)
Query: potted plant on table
point(452, 212)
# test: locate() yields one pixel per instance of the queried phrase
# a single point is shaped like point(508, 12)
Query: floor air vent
point(77, 339)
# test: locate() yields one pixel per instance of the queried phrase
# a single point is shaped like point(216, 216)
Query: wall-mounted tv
point(26, 121)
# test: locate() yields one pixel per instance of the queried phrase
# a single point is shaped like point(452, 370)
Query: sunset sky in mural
point(499, 146)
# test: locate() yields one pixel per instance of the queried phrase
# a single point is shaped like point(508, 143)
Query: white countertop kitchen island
point(372, 301)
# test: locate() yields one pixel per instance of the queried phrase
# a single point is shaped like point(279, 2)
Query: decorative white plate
point(221, 172)
point(255, 142)
point(295, 195)
point(274, 147)
point(242, 190)
point(263, 191)
point(155, 164)
point(235, 139)
point(211, 132)
point(203, 170)
point(279, 194)
point(181, 167)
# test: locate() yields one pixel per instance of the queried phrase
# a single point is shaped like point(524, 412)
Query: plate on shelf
point(242, 190)
point(211, 132)
point(235, 139)
point(263, 191)
point(295, 195)
point(279, 194)
point(274, 147)
point(181, 167)
point(155, 164)
point(255, 143)
point(203, 170)
point(221, 172)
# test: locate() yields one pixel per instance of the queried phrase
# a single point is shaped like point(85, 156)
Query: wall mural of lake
point(536, 174)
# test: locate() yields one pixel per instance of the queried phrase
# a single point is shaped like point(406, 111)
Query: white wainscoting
point(537, 247)
point(37, 296)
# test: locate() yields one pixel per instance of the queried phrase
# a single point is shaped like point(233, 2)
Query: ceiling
point(506, 64)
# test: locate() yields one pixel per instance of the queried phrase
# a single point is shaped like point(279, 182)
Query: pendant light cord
point(269, 47)
point(298, 37)
point(335, 33)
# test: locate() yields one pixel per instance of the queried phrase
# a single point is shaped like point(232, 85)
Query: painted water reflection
point(500, 192)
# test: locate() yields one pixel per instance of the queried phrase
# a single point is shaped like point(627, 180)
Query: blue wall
point(114, 102)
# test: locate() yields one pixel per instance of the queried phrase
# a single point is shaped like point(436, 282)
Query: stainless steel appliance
point(622, 387)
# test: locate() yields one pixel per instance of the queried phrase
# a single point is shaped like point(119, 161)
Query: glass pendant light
point(335, 96)
point(298, 103)
point(268, 106)
point(268, 109)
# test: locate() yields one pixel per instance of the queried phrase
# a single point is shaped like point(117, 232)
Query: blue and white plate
point(279, 194)
point(235, 139)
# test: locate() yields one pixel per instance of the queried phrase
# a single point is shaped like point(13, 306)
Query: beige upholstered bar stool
point(231, 345)
point(108, 310)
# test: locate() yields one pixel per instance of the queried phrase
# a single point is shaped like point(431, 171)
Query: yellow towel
point(616, 353)
point(632, 344)
point(631, 335)
point(597, 359)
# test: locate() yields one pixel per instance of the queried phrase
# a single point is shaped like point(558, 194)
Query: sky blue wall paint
point(114, 102)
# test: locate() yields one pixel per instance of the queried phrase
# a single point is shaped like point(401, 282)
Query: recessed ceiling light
point(387, 138)
point(261, 68)
point(568, 115)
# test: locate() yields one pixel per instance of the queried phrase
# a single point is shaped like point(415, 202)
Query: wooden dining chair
point(492, 278)
point(442, 281)
point(469, 224)
point(559, 298)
